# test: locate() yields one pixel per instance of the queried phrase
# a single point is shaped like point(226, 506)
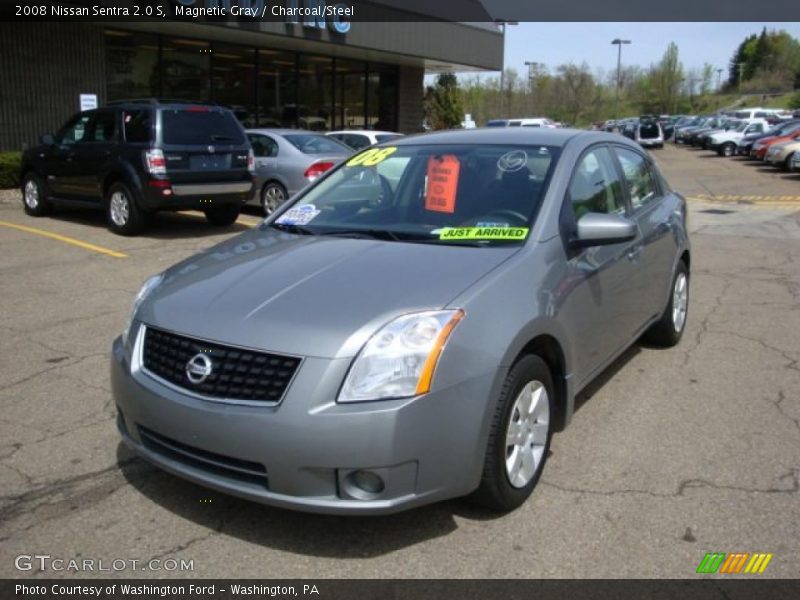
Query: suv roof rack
point(159, 101)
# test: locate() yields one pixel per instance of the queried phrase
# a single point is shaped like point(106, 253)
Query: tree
point(443, 107)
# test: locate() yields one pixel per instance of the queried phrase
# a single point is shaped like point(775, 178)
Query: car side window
point(75, 130)
point(639, 177)
point(103, 127)
point(595, 185)
point(263, 146)
point(138, 125)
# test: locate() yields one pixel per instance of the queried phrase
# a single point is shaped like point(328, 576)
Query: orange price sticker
point(442, 183)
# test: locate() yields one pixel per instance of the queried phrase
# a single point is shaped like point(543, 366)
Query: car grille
point(236, 374)
point(210, 462)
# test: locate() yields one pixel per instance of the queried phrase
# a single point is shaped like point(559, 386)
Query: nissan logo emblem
point(199, 368)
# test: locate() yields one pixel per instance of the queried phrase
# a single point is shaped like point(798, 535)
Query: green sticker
point(483, 233)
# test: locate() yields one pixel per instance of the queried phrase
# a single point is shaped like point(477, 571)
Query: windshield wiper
point(291, 228)
point(377, 234)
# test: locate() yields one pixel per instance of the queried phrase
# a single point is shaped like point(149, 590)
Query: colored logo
point(199, 368)
point(734, 563)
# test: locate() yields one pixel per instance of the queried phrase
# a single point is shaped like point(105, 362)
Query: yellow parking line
point(65, 239)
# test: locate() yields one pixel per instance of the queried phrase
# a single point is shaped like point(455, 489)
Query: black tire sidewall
point(663, 333)
point(496, 490)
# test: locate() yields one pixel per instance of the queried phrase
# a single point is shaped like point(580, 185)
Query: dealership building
point(316, 76)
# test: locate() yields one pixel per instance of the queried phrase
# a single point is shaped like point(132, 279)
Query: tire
point(272, 196)
point(787, 164)
point(223, 216)
point(502, 488)
point(727, 150)
point(34, 196)
point(123, 213)
point(668, 330)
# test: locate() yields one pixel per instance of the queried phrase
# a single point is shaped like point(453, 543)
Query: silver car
point(287, 160)
point(412, 327)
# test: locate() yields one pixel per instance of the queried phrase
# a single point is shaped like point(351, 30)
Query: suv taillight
point(251, 161)
point(155, 162)
point(317, 169)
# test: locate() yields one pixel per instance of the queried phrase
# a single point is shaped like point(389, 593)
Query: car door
point(601, 282)
point(265, 149)
point(59, 158)
point(91, 154)
point(657, 246)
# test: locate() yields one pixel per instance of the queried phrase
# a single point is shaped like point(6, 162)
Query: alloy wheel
point(680, 302)
point(273, 198)
point(119, 209)
point(526, 435)
point(31, 194)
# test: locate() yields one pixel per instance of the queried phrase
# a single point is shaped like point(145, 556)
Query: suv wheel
point(34, 197)
point(223, 216)
point(273, 195)
point(122, 212)
point(727, 149)
point(519, 438)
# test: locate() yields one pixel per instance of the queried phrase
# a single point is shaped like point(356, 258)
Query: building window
point(277, 89)
point(185, 69)
point(315, 92)
point(232, 80)
point(349, 110)
point(131, 64)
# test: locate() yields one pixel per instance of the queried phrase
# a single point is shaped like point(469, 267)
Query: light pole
point(719, 79)
point(502, 23)
point(532, 66)
point(618, 43)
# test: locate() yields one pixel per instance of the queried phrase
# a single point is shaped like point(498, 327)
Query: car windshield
point(476, 195)
point(740, 126)
point(310, 143)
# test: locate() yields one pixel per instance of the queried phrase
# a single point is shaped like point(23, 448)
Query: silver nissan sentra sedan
point(412, 327)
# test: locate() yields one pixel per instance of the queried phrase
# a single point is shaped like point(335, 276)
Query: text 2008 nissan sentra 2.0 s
point(413, 327)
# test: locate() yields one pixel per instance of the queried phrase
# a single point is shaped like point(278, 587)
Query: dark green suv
point(136, 157)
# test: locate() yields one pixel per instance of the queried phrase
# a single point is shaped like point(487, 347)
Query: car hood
point(309, 295)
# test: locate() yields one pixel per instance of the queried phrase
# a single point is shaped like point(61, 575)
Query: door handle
point(634, 253)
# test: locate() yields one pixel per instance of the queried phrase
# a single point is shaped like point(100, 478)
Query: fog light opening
point(365, 484)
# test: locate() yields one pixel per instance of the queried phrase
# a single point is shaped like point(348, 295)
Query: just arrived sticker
point(483, 233)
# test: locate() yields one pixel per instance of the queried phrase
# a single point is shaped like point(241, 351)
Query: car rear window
point(309, 143)
point(386, 137)
point(200, 126)
point(649, 130)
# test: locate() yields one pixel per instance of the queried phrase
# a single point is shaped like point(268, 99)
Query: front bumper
point(425, 449)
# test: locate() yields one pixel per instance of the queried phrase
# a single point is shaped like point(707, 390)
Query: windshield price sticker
point(371, 157)
point(298, 216)
point(483, 233)
point(443, 174)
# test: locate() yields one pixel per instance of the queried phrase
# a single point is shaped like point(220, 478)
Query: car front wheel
point(34, 197)
point(727, 149)
point(519, 438)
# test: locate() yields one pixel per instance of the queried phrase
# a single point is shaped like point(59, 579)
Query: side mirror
point(47, 139)
point(601, 229)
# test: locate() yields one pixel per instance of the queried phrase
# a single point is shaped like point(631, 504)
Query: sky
point(558, 43)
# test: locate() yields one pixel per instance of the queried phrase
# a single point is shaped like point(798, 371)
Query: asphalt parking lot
point(671, 454)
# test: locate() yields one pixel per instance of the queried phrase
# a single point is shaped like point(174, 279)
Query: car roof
point(363, 132)
point(281, 131)
point(503, 135)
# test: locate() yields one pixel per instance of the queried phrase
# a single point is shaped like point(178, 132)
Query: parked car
point(134, 158)
point(726, 142)
point(374, 346)
point(694, 137)
point(780, 155)
point(644, 131)
point(358, 139)
point(682, 131)
point(785, 134)
point(747, 144)
point(289, 159)
point(497, 123)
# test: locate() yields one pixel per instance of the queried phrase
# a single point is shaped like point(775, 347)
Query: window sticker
point(512, 161)
point(298, 216)
point(513, 234)
point(443, 172)
point(371, 157)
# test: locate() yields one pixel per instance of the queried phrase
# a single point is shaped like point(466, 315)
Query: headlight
point(399, 360)
point(147, 287)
